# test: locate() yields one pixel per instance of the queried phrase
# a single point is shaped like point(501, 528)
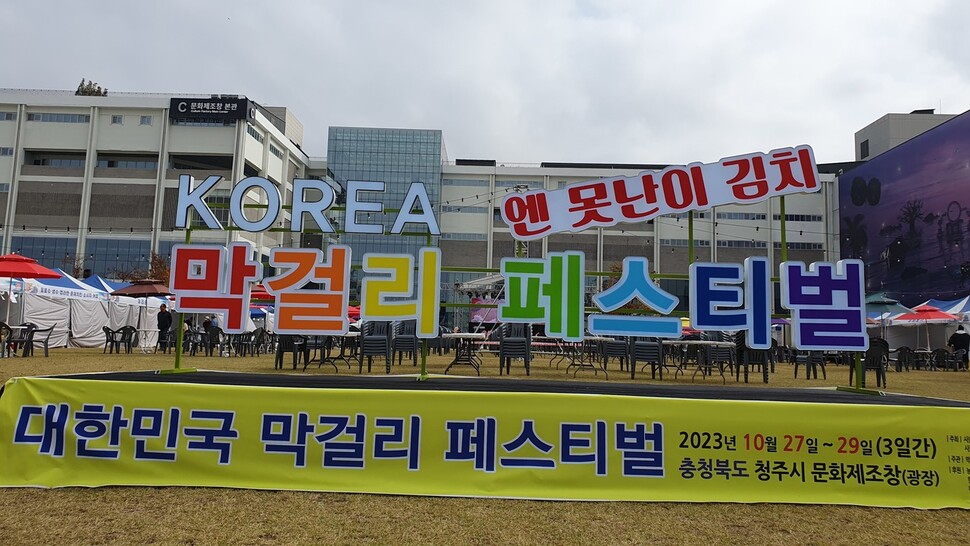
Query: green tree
point(90, 89)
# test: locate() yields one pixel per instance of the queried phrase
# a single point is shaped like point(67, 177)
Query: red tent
point(259, 293)
point(925, 314)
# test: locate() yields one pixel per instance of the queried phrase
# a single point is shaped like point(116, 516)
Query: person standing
point(164, 327)
point(960, 340)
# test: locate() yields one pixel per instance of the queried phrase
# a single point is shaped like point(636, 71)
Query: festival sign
point(827, 300)
point(742, 179)
point(89, 432)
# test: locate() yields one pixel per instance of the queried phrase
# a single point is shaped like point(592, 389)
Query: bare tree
point(911, 212)
point(129, 275)
point(74, 266)
point(158, 267)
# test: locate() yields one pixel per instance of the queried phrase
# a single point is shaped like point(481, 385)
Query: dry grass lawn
point(114, 515)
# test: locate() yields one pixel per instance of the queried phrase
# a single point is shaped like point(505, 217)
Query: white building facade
point(89, 183)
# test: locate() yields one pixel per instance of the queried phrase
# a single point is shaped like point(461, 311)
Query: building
point(902, 212)
point(892, 130)
point(89, 183)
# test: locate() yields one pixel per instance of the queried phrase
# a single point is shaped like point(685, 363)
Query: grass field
point(115, 515)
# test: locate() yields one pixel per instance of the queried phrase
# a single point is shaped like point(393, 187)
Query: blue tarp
point(953, 307)
point(64, 286)
point(100, 283)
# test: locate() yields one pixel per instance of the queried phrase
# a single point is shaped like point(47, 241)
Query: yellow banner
point(66, 432)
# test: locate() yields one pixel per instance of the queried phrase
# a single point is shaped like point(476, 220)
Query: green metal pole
point(181, 326)
point(690, 237)
point(859, 371)
point(784, 231)
point(423, 376)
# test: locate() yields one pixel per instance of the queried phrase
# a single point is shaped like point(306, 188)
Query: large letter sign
point(608, 201)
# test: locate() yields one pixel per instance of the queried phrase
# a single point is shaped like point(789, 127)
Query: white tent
point(77, 311)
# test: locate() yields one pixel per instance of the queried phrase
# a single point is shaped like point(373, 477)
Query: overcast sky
point(525, 81)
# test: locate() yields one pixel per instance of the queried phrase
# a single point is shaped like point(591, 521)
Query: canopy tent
point(927, 316)
point(484, 293)
point(100, 283)
point(77, 310)
point(959, 307)
point(880, 307)
point(53, 302)
point(489, 286)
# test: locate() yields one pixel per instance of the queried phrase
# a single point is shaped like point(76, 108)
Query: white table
point(700, 344)
point(465, 352)
point(321, 345)
point(147, 339)
point(585, 355)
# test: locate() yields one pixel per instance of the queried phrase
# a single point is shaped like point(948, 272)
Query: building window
point(530, 184)
point(864, 149)
point(219, 198)
point(800, 246)
point(741, 244)
point(466, 183)
point(275, 151)
point(117, 120)
point(4, 188)
point(799, 217)
point(58, 118)
point(464, 236)
point(8, 116)
point(683, 215)
point(459, 208)
point(684, 242)
point(741, 216)
point(145, 120)
point(60, 162)
point(6, 150)
point(127, 164)
point(204, 122)
point(254, 133)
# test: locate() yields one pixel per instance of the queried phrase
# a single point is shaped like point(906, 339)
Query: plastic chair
point(288, 343)
point(163, 341)
point(24, 339)
point(812, 361)
point(958, 359)
point(375, 340)
point(192, 340)
point(905, 357)
point(647, 350)
point(215, 341)
point(110, 341)
point(405, 341)
point(5, 333)
point(751, 358)
point(720, 356)
point(617, 348)
point(515, 341)
point(126, 338)
point(876, 359)
point(42, 336)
